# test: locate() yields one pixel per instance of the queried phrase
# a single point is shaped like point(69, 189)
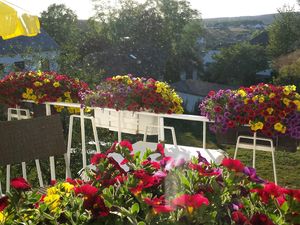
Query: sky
point(208, 8)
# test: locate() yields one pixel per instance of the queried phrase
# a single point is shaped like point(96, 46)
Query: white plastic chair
point(266, 144)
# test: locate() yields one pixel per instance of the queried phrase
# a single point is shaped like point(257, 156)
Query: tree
point(284, 34)
point(238, 64)
point(62, 25)
point(146, 37)
point(289, 74)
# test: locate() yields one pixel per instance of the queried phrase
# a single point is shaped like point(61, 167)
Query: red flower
point(239, 218)
point(233, 164)
point(268, 191)
point(20, 184)
point(160, 148)
point(126, 144)
point(86, 189)
point(159, 205)
point(75, 182)
point(261, 219)
point(190, 202)
point(97, 158)
point(3, 203)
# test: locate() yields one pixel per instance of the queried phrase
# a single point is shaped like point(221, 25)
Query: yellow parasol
point(15, 22)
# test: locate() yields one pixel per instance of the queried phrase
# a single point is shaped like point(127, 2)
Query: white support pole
point(254, 149)
point(161, 129)
point(7, 178)
point(95, 134)
point(204, 135)
point(39, 172)
point(83, 146)
point(119, 126)
point(69, 145)
point(68, 171)
point(24, 170)
point(51, 158)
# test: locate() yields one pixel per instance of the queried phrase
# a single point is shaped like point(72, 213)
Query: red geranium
point(20, 183)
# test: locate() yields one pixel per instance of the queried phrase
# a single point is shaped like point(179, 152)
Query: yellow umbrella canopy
point(14, 22)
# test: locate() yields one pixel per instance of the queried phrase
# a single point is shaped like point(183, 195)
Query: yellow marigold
point(270, 110)
point(38, 84)
point(56, 84)
point(272, 95)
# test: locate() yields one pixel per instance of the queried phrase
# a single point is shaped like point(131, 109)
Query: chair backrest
point(31, 139)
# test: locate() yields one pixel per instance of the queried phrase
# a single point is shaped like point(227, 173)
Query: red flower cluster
point(41, 87)
point(135, 94)
point(269, 109)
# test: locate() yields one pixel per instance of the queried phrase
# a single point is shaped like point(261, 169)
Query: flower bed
point(41, 87)
point(135, 94)
point(271, 110)
point(155, 192)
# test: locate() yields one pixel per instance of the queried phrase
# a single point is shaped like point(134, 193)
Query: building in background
point(28, 53)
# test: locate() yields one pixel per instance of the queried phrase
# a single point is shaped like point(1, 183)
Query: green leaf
point(185, 181)
point(141, 223)
point(135, 208)
point(285, 207)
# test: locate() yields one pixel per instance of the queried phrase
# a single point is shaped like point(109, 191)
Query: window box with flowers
point(41, 87)
point(269, 110)
point(130, 94)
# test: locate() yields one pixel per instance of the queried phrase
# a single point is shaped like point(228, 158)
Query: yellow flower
point(52, 190)
point(39, 73)
point(25, 96)
point(67, 186)
point(279, 127)
point(52, 201)
point(59, 99)
point(67, 94)
point(261, 99)
point(33, 97)
point(270, 110)
point(46, 81)
point(38, 84)
point(2, 218)
point(286, 101)
point(272, 95)
point(29, 91)
point(56, 84)
point(242, 93)
point(297, 103)
point(246, 100)
point(255, 98)
point(58, 108)
point(71, 110)
point(256, 126)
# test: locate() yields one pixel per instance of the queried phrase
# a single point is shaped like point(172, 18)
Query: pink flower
point(3, 203)
point(160, 148)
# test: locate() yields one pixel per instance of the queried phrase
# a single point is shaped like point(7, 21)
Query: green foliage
point(143, 38)
point(289, 74)
point(238, 64)
point(284, 35)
